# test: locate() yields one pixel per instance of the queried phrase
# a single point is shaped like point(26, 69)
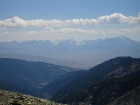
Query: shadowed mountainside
point(107, 83)
point(80, 80)
point(130, 98)
point(106, 92)
point(28, 77)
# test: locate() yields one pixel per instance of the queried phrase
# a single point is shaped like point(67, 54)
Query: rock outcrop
point(15, 98)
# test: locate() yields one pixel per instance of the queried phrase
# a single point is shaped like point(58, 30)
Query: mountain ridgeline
point(108, 83)
point(99, 85)
point(28, 77)
point(84, 54)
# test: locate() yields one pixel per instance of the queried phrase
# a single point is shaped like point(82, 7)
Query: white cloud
point(131, 31)
point(61, 31)
point(118, 18)
point(32, 32)
point(50, 33)
point(115, 18)
point(76, 31)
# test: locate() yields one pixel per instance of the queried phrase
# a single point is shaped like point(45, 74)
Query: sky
point(69, 19)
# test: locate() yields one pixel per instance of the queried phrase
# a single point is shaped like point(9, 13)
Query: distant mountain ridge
point(82, 54)
point(66, 42)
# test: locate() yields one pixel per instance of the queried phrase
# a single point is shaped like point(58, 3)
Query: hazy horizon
point(69, 39)
point(69, 19)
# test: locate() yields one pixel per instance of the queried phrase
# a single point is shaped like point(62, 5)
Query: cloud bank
point(91, 31)
point(116, 18)
point(78, 29)
point(68, 33)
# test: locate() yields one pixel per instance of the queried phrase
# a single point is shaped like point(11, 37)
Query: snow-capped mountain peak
point(55, 42)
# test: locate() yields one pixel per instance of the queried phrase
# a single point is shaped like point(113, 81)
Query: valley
point(103, 84)
point(69, 52)
point(93, 72)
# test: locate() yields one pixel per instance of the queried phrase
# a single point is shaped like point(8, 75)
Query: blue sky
point(69, 19)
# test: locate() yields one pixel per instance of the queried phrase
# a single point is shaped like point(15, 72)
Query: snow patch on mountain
point(55, 42)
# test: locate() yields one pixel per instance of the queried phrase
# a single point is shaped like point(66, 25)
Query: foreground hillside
point(14, 98)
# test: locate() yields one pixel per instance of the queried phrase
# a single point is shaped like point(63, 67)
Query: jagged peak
point(124, 38)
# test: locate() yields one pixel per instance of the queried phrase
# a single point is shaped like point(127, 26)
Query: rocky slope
point(130, 98)
point(14, 98)
point(113, 91)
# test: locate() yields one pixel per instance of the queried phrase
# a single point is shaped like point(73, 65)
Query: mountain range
point(111, 75)
point(108, 83)
point(99, 85)
point(84, 54)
